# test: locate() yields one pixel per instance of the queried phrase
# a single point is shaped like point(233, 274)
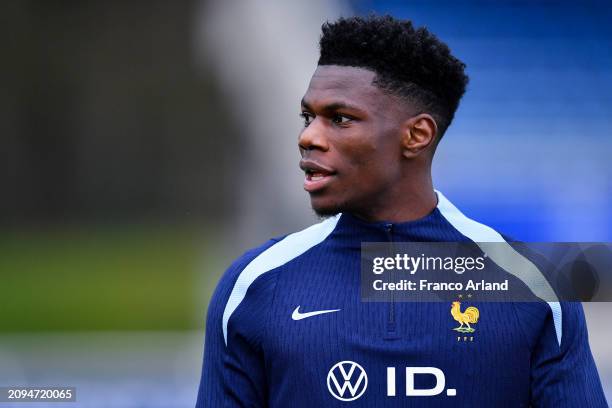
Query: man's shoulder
point(231, 289)
point(258, 261)
point(279, 250)
point(247, 287)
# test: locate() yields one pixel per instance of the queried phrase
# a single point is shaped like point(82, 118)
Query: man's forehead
point(342, 79)
point(342, 83)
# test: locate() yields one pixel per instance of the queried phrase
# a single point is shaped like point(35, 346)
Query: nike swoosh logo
point(296, 315)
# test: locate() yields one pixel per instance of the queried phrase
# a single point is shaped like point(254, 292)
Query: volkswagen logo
point(347, 381)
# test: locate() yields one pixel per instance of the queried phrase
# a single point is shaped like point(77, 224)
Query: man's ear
point(419, 132)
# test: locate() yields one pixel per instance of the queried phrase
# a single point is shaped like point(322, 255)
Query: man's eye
point(307, 118)
point(340, 119)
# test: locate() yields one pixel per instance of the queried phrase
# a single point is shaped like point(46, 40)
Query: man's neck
point(408, 203)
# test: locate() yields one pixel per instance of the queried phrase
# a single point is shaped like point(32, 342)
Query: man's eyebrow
point(333, 106)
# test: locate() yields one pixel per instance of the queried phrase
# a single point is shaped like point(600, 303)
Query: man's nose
point(313, 137)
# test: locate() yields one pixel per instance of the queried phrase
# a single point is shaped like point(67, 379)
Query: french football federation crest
point(465, 318)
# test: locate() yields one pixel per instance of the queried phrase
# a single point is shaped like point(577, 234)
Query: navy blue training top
point(286, 327)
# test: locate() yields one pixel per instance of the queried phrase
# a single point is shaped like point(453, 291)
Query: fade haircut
point(410, 63)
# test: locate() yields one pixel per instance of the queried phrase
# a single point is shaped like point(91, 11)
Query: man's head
point(382, 96)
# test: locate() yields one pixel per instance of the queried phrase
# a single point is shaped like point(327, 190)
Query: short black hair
point(411, 63)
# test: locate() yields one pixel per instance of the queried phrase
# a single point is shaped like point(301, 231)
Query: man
point(286, 326)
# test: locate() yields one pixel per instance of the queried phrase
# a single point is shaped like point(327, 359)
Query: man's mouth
point(317, 176)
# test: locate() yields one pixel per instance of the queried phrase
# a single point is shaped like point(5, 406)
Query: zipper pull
point(389, 231)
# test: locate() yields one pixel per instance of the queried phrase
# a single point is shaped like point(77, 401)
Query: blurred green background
point(138, 277)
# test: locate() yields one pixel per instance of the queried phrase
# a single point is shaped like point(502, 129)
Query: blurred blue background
point(147, 144)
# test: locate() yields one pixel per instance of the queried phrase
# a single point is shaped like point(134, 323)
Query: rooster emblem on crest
point(470, 315)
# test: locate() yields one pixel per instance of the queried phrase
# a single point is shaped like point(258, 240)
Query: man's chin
point(325, 211)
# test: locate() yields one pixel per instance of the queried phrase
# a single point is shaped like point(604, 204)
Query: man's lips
point(317, 177)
